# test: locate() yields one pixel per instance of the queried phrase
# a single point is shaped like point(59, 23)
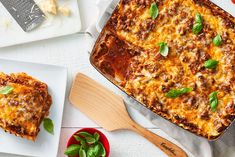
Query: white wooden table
point(71, 52)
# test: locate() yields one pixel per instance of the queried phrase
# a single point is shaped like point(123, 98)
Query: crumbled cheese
point(64, 10)
point(6, 23)
point(50, 6)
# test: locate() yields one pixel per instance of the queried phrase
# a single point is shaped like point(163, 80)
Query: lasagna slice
point(24, 102)
point(176, 57)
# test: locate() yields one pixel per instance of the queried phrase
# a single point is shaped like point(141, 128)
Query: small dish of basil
point(88, 142)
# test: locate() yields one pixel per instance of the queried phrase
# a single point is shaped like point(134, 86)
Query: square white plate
point(46, 144)
point(54, 26)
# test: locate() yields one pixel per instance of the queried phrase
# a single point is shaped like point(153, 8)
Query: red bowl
point(103, 139)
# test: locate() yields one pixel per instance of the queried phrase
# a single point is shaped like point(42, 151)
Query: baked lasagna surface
point(198, 63)
point(23, 109)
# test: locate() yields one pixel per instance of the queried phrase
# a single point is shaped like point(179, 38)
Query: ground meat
point(13, 103)
point(126, 21)
point(189, 22)
point(145, 28)
point(17, 129)
point(230, 108)
point(190, 101)
point(221, 128)
point(144, 3)
point(102, 50)
point(205, 115)
point(228, 23)
point(183, 14)
point(165, 89)
point(124, 2)
point(182, 30)
point(225, 35)
point(172, 11)
point(107, 68)
point(113, 23)
point(225, 88)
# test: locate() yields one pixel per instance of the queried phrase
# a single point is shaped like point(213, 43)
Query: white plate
point(46, 144)
point(53, 27)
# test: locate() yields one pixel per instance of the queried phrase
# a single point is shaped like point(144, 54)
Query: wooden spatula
point(108, 110)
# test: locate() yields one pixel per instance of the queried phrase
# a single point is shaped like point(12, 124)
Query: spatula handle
point(166, 146)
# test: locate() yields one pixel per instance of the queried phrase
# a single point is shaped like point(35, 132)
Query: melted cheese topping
point(148, 76)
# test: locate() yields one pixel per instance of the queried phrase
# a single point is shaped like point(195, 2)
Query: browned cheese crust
point(127, 53)
point(22, 110)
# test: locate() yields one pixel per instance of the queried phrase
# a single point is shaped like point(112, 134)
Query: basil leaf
point(6, 90)
point(85, 134)
point(164, 49)
point(48, 125)
point(96, 136)
point(72, 150)
point(96, 149)
point(197, 28)
point(82, 153)
point(77, 138)
point(211, 64)
point(213, 99)
point(102, 150)
point(198, 18)
point(84, 145)
point(153, 11)
point(90, 152)
point(174, 93)
point(217, 40)
point(90, 140)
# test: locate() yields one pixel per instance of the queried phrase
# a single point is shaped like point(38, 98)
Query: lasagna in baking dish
point(24, 102)
point(176, 57)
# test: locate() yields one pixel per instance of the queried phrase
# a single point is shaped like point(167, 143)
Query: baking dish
point(92, 60)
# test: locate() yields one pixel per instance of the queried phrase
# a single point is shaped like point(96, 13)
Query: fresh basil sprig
point(89, 146)
point(90, 140)
point(82, 153)
point(217, 41)
point(198, 25)
point(211, 64)
point(94, 151)
point(48, 125)
point(77, 138)
point(96, 136)
point(153, 11)
point(102, 150)
point(174, 93)
point(91, 152)
point(84, 145)
point(6, 90)
point(72, 150)
point(213, 99)
point(197, 28)
point(198, 18)
point(85, 134)
point(164, 49)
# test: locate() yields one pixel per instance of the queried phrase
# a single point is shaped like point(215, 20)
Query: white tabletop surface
point(71, 52)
